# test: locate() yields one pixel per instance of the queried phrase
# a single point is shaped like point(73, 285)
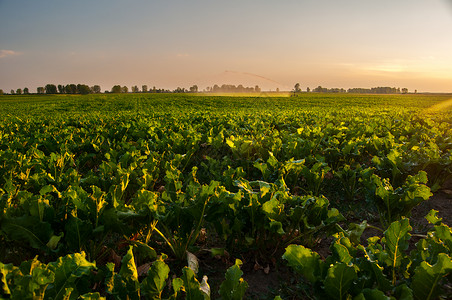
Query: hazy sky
point(171, 43)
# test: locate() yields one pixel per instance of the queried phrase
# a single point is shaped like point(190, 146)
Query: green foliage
point(234, 287)
point(395, 203)
point(192, 286)
point(68, 271)
point(304, 261)
point(363, 272)
point(95, 174)
point(339, 280)
point(124, 284)
point(152, 286)
point(396, 242)
point(65, 278)
point(426, 277)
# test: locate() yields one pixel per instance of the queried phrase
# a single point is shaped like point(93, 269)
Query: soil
point(440, 201)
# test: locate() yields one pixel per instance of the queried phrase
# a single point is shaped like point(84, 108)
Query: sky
point(274, 44)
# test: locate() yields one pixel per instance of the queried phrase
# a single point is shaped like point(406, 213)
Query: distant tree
point(12, 92)
point(70, 89)
point(73, 88)
point(415, 91)
point(404, 90)
point(320, 89)
point(135, 89)
point(144, 88)
point(26, 91)
point(179, 90)
point(277, 90)
point(19, 91)
point(40, 90)
point(96, 89)
point(61, 89)
point(51, 89)
point(194, 89)
point(83, 89)
point(308, 89)
point(257, 89)
point(124, 89)
point(1, 92)
point(116, 89)
point(296, 88)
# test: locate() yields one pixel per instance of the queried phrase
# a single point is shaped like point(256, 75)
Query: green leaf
point(272, 208)
point(403, 292)
point(191, 285)
point(432, 217)
point(146, 251)
point(339, 280)
point(277, 227)
point(344, 250)
point(129, 274)
point(382, 281)
point(42, 276)
point(53, 242)
point(355, 232)
point(32, 280)
point(155, 281)
point(396, 241)
point(234, 287)
point(78, 232)
point(264, 187)
point(444, 233)
point(28, 230)
point(123, 285)
point(217, 251)
point(68, 270)
point(5, 270)
point(110, 278)
point(46, 189)
point(426, 277)
point(92, 296)
point(304, 261)
point(178, 284)
point(374, 294)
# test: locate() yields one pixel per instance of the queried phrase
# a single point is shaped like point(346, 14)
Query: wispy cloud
point(6, 53)
point(388, 68)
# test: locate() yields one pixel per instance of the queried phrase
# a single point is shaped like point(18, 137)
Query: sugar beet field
point(180, 196)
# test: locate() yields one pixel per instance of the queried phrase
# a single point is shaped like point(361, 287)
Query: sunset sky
point(275, 44)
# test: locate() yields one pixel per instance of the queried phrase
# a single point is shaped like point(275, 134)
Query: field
point(159, 196)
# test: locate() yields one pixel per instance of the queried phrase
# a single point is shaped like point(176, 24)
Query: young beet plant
point(392, 204)
point(187, 217)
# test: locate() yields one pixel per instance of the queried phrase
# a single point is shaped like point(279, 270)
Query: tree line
point(84, 89)
point(59, 89)
point(374, 90)
point(230, 88)
point(117, 89)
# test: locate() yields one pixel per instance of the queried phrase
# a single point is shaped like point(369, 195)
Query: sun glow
point(440, 106)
